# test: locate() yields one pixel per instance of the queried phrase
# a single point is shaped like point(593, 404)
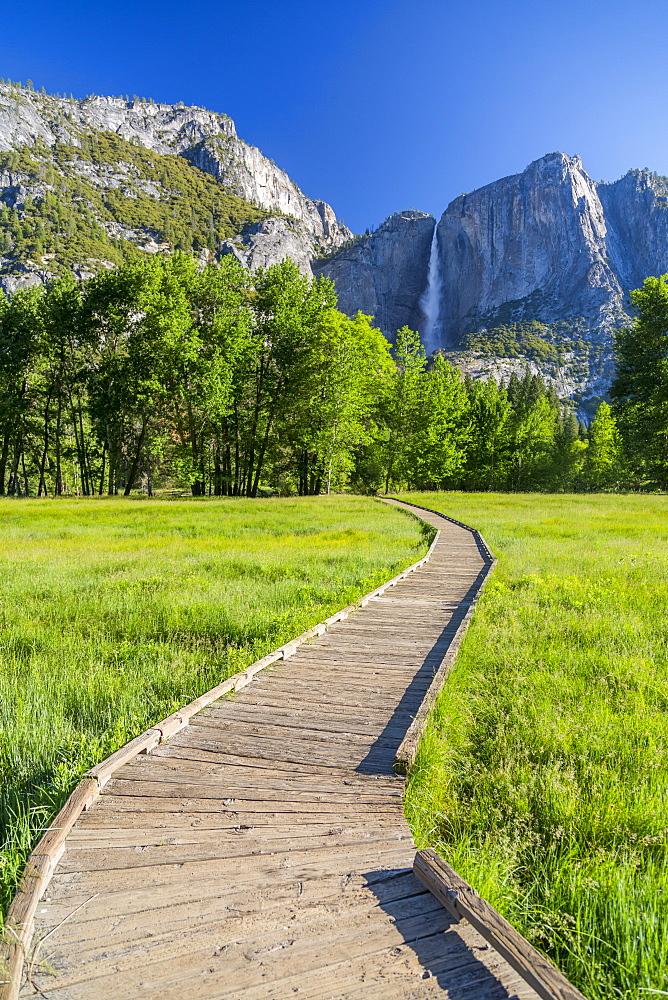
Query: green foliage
point(542, 776)
point(604, 458)
point(640, 388)
point(101, 200)
point(490, 414)
point(541, 342)
point(338, 411)
point(117, 612)
point(161, 372)
point(426, 414)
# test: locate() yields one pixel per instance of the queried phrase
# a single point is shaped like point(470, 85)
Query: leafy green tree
point(640, 388)
point(351, 374)
point(63, 359)
point(202, 356)
point(438, 449)
point(568, 451)
point(404, 406)
point(427, 418)
point(276, 367)
point(603, 469)
point(489, 429)
point(21, 322)
point(532, 426)
point(137, 315)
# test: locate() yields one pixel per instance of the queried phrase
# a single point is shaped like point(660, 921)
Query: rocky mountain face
point(531, 246)
point(49, 143)
point(384, 274)
point(547, 245)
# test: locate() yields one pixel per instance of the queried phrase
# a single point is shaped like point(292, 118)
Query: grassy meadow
point(113, 613)
point(543, 775)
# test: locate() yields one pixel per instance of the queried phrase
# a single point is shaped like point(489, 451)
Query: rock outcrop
point(271, 241)
point(548, 244)
point(207, 139)
point(384, 274)
point(530, 246)
point(636, 214)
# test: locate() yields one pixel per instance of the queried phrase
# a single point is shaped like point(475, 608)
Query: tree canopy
point(166, 374)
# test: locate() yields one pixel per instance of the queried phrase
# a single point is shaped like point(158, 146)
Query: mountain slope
point(81, 182)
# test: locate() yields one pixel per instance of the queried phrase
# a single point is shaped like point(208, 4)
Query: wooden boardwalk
point(262, 853)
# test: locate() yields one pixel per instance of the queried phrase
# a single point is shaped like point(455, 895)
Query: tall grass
point(113, 613)
point(543, 775)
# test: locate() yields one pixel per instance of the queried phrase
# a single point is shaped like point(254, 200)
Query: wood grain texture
point(261, 852)
point(464, 903)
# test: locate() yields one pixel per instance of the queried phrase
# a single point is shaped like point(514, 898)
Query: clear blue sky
point(376, 105)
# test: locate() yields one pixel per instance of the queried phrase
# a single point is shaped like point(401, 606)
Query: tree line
point(161, 374)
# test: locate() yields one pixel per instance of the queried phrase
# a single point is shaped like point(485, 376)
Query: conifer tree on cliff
point(640, 389)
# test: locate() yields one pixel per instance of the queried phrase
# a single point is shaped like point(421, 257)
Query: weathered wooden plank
point(160, 772)
point(280, 729)
point(309, 948)
point(237, 806)
point(265, 833)
point(157, 782)
point(263, 868)
point(166, 819)
point(464, 903)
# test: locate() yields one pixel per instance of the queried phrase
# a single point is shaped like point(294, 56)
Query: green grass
point(114, 613)
point(543, 775)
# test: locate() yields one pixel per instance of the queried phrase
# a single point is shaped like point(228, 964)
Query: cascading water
point(430, 300)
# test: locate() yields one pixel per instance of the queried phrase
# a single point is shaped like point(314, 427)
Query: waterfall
point(430, 300)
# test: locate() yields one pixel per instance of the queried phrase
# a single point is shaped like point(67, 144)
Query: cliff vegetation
point(76, 207)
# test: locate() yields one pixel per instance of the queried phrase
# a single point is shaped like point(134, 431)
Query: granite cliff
point(384, 274)
point(548, 250)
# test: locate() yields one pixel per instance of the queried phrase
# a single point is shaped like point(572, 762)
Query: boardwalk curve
point(262, 852)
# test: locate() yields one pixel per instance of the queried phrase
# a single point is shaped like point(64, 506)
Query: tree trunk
point(3, 459)
point(260, 457)
point(111, 484)
point(45, 450)
point(265, 442)
point(58, 488)
point(78, 445)
point(237, 451)
point(77, 420)
point(135, 462)
point(14, 481)
point(104, 458)
point(25, 474)
point(217, 471)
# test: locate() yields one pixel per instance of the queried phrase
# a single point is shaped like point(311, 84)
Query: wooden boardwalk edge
point(464, 903)
point(407, 751)
point(19, 923)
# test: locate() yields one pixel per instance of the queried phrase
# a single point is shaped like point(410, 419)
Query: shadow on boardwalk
point(381, 756)
point(446, 958)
